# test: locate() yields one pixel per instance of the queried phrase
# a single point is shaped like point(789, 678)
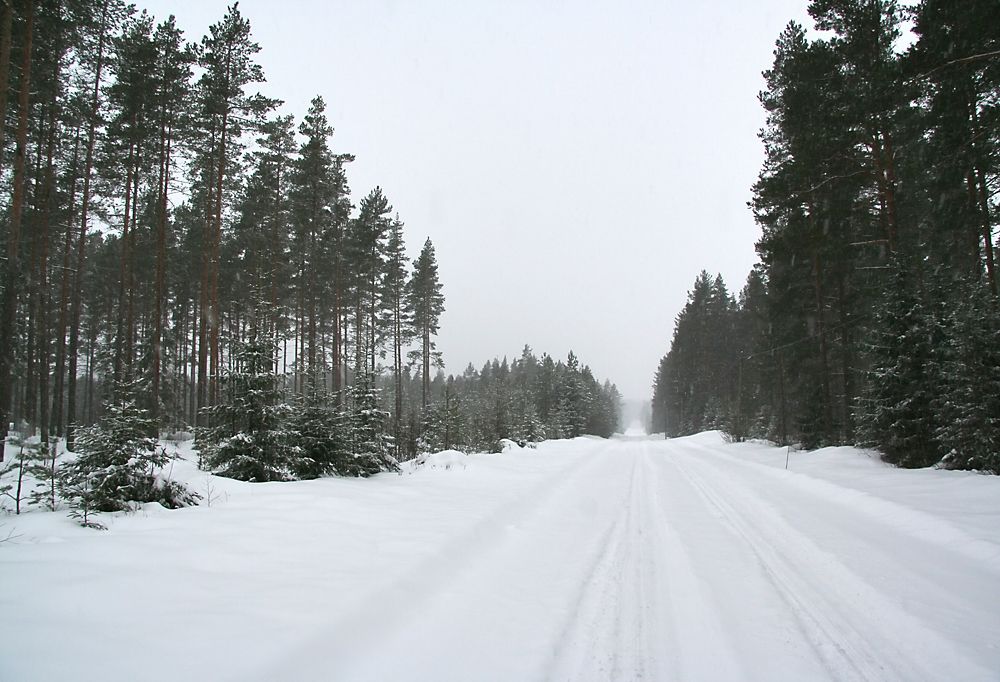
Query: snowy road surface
point(629, 559)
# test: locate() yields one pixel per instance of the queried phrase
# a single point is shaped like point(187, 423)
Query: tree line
point(526, 401)
point(872, 314)
point(161, 217)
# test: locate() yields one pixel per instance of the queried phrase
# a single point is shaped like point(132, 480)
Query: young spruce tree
point(119, 465)
point(247, 436)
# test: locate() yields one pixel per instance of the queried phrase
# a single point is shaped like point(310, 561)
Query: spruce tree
point(247, 436)
point(443, 426)
point(969, 400)
point(370, 444)
point(903, 382)
point(574, 399)
point(321, 435)
point(118, 465)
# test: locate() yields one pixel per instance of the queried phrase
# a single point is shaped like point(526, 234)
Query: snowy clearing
point(634, 558)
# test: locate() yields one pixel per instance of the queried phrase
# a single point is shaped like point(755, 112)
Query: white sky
point(576, 164)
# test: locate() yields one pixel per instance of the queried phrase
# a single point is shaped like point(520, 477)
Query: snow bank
point(507, 445)
point(455, 459)
point(959, 506)
point(446, 459)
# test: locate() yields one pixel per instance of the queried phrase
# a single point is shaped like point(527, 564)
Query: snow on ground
point(635, 558)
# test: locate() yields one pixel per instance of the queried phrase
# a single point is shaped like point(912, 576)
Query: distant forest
point(179, 257)
point(872, 315)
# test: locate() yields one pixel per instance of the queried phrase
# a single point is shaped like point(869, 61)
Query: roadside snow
point(446, 459)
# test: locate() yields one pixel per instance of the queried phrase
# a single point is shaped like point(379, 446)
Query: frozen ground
point(629, 559)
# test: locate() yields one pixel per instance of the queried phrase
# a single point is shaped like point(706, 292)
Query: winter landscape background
point(271, 394)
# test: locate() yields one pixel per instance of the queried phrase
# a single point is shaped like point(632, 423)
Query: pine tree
point(262, 231)
point(425, 303)
point(224, 110)
point(366, 243)
point(396, 324)
point(954, 60)
point(171, 78)
point(317, 186)
point(12, 269)
point(28, 472)
point(95, 59)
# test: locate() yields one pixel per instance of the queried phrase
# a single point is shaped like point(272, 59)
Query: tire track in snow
point(919, 525)
point(855, 631)
point(694, 640)
point(357, 636)
point(924, 564)
point(588, 643)
point(644, 613)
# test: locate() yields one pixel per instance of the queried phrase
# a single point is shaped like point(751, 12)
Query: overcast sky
point(576, 164)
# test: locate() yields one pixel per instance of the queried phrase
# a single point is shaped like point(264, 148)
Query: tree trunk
point(9, 314)
point(74, 333)
point(193, 327)
point(889, 188)
point(397, 363)
point(161, 267)
point(300, 335)
point(312, 303)
point(203, 289)
point(64, 297)
point(213, 392)
point(425, 379)
point(337, 358)
point(372, 318)
point(6, 21)
point(130, 323)
point(43, 271)
point(119, 367)
point(883, 164)
point(987, 230)
point(91, 411)
point(30, 385)
point(846, 357)
point(823, 351)
point(359, 354)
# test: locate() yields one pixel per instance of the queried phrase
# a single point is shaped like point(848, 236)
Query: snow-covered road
point(629, 559)
point(672, 561)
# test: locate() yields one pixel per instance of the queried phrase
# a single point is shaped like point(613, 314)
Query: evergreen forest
point(872, 315)
point(182, 258)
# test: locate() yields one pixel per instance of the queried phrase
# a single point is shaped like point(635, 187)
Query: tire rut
point(851, 627)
